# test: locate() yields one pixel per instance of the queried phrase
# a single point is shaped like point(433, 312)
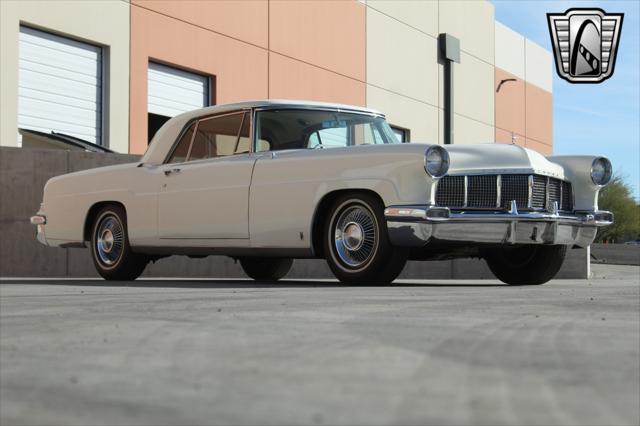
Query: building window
point(172, 91)
point(60, 85)
point(402, 134)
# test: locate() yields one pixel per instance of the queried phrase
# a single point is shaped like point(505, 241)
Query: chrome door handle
point(168, 172)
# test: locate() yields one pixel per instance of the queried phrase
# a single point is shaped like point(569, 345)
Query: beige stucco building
point(111, 72)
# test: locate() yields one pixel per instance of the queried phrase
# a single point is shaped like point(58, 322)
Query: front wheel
point(110, 249)
point(526, 265)
point(266, 268)
point(356, 242)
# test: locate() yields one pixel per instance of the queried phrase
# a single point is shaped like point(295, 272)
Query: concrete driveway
point(303, 352)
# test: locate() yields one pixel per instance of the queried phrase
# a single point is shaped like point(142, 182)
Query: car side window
point(218, 137)
point(288, 129)
point(330, 138)
point(244, 141)
point(181, 151)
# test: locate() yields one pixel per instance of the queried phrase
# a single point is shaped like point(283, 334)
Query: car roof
point(167, 134)
point(276, 103)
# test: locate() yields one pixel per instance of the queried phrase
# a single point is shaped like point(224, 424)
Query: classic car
point(267, 182)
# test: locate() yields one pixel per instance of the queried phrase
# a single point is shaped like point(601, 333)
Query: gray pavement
point(314, 352)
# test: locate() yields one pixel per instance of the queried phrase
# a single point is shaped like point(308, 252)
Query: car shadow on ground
point(237, 283)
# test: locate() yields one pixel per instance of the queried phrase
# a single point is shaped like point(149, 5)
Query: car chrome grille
point(553, 193)
point(451, 191)
point(489, 192)
point(515, 187)
point(538, 192)
point(482, 191)
point(566, 197)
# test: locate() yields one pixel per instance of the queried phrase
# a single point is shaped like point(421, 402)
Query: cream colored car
point(271, 181)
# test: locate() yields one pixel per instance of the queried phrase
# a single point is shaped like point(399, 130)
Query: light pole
point(450, 51)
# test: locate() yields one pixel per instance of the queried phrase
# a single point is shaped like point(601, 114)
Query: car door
point(205, 183)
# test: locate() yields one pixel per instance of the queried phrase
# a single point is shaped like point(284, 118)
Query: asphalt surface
point(302, 352)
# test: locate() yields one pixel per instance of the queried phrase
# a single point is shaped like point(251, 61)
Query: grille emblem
point(585, 43)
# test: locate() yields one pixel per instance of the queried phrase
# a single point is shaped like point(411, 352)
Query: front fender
point(577, 169)
point(286, 190)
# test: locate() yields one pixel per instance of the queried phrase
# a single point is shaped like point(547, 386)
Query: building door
point(172, 91)
point(60, 85)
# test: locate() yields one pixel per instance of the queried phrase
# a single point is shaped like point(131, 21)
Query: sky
point(601, 119)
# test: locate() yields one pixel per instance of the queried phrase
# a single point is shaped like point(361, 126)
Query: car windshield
point(303, 129)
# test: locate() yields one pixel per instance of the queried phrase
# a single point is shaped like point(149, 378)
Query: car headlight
point(436, 161)
point(601, 171)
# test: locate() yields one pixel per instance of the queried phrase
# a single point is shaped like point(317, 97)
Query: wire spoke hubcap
point(355, 236)
point(110, 241)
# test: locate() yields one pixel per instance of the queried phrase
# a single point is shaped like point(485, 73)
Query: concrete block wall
point(24, 172)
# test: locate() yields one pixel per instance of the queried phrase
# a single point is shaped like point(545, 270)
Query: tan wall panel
point(76, 20)
point(539, 66)
point(329, 34)
point(510, 107)
point(539, 124)
point(467, 131)
point(401, 59)
point(473, 23)
point(421, 119)
point(292, 79)
point(510, 50)
point(422, 14)
point(504, 137)
point(243, 19)
point(240, 68)
point(542, 148)
point(474, 90)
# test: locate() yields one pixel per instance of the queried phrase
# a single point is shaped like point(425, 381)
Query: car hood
point(492, 158)
point(464, 159)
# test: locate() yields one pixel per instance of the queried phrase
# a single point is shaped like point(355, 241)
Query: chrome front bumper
point(414, 226)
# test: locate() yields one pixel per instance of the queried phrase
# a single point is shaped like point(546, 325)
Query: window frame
point(406, 132)
point(105, 76)
point(209, 79)
point(245, 111)
point(253, 112)
point(301, 108)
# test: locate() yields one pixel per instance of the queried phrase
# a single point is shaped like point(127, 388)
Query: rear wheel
point(526, 265)
point(356, 242)
point(266, 268)
point(110, 249)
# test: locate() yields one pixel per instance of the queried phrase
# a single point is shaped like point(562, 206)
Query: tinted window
point(216, 137)
point(179, 155)
point(303, 129)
